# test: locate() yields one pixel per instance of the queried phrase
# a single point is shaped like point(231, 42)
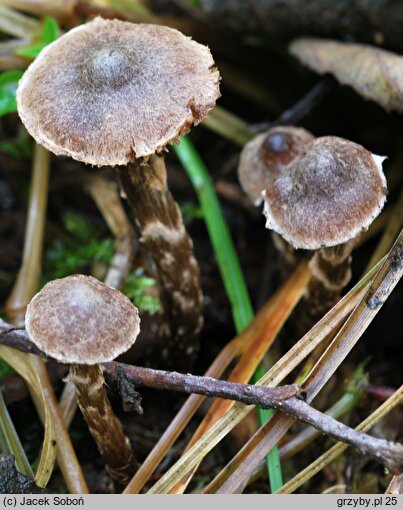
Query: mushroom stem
point(105, 428)
point(163, 233)
point(331, 272)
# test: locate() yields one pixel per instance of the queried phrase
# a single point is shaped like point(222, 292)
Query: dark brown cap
point(329, 194)
point(80, 320)
point(110, 91)
point(264, 158)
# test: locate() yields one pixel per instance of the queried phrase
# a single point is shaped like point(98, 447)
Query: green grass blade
point(10, 443)
point(219, 234)
point(273, 457)
point(228, 264)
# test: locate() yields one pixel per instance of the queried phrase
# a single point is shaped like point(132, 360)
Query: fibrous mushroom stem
point(163, 233)
point(102, 422)
point(331, 272)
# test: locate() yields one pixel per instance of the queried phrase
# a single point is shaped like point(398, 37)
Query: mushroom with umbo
point(263, 160)
point(116, 93)
point(80, 321)
point(329, 194)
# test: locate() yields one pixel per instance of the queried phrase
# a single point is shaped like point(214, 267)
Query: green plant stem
point(10, 443)
point(220, 237)
point(273, 461)
point(228, 264)
point(229, 126)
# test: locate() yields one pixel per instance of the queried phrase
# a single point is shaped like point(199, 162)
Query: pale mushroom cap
point(264, 158)
point(374, 73)
point(329, 194)
point(110, 91)
point(80, 320)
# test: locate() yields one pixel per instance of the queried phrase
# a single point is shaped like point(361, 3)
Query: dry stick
point(265, 321)
point(17, 24)
point(105, 195)
point(396, 485)
point(349, 400)
point(283, 398)
point(228, 125)
point(28, 277)
point(57, 8)
point(384, 282)
point(8, 57)
point(180, 421)
point(288, 297)
point(299, 110)
point(390, 233)
point(24, 288)
point(392, 228)
point(339, 448)
point(20, 340)
point(8, 62)
point(177, 425)
point(164, 235)
point(274, 376)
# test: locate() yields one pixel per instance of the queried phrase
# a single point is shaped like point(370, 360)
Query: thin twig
point(274, 376)
point(301, 108)
point(284, 301)
point(106, 196)
point(382, 285)
point(337, 449)
point(395, 486)
point(284, 398)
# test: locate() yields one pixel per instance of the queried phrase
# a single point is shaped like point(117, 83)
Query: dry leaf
point(23, 365)
point(374, 73)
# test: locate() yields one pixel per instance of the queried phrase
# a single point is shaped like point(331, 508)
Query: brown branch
point(18, 338)
point(283, 398)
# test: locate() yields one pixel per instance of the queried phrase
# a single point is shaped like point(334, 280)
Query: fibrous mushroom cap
point(329, 194)
point(264, 158)
point(80, 320)
point(110, 91)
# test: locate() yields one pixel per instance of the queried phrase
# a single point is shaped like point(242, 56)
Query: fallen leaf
point(374, 73)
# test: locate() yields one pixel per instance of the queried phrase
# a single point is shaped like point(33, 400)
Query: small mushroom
point(328, 195)
point(116, 93)
point(265, 157)
point(80, 321)
point(263, 160)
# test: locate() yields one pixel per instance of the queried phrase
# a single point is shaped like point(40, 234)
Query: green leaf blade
point(8, 86)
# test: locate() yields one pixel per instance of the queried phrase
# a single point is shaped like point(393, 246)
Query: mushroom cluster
point(319, 194)
point(115, 93)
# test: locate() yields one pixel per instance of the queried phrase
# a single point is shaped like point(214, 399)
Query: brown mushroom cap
point(264, 158)
point(110, 91)
point(329, 194)
point(80, 320)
